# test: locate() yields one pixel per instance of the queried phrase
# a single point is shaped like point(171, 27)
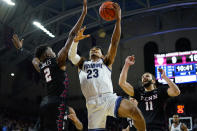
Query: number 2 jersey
point(95, 79)
point(151, 104)
point(53, 77)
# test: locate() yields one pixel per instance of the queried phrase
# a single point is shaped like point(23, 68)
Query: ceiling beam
point(148, 3)
point(64, 14)
point(29, 12)
point(140, 3)
point(51, 9)
point(126, 14)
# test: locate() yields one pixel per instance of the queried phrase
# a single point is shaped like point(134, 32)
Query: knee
point(135, 113)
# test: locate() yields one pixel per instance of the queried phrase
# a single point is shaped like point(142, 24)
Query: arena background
point(148, 27)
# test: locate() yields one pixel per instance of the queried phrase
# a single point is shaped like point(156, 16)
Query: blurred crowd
point(11, 120)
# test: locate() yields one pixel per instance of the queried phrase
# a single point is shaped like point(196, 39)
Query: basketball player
point(150, 98)
point(130, 127)
point(176, 125)
point(53, 72)
point(96, 83)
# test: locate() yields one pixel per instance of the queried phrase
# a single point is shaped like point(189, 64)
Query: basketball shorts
point(99, 108)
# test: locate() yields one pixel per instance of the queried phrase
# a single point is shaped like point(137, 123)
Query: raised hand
point(80, 35)
point(163, 73)
point(85, 6)
point(117, 10)
point(130, 60)
point(17, 43)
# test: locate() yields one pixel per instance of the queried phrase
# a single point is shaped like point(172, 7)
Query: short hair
point(176, 115)
point(40, 50)
point(98, 48)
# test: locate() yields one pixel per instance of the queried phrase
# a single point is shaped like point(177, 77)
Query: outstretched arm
point(174, 89)
point(19, 45)
point(75, 120)
point(72, 54)
point(130, 60)
point(63, 53)
point(109, 58)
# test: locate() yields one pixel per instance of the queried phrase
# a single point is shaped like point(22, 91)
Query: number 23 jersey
point(95, 79)
point(151, 103)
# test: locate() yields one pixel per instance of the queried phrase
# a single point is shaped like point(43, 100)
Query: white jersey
point(178, 128)
point(95, 79)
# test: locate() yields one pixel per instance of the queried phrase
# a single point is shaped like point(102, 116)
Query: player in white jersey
point(96, 83)
point(176, 125)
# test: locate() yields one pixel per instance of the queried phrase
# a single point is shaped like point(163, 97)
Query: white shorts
point(101, 107)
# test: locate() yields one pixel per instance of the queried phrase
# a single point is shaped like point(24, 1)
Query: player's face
point(175, 118)
point(50, 53)
point(146, 77)
point(95, 52)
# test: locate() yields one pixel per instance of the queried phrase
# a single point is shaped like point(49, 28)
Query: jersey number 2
point(47, 75)
point(149, 105)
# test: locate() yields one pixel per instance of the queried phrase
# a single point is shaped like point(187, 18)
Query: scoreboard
point(180, 67)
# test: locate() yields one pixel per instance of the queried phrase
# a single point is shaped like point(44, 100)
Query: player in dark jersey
point(150, 98)
point(53, 73)
point(130, 126)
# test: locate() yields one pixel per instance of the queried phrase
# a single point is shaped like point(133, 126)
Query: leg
point(96, 115)
point(49, 116)
point(128, 109)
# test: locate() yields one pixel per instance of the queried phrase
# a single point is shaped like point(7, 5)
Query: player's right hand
point(117, 10)
point(130, 60)
point(17, 43)
point(80, 35)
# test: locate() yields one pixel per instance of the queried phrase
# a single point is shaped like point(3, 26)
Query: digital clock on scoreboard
point(180, 67)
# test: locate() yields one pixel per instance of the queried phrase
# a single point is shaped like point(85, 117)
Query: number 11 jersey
point(95, 79)
point(151, 103)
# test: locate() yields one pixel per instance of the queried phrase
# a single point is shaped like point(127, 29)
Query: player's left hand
point(117, 10)
point(163, 73)
point(80, 35)
point(17, 43)
point(72, 115)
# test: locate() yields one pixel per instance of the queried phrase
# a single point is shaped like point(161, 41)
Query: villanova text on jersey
point(93, 65)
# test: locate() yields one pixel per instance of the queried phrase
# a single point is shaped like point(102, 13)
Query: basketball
point(107, 11)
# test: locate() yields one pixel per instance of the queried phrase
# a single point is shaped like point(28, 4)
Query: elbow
point(121, 83)
point(175, 93)
point(178, 92)
point(34, 61)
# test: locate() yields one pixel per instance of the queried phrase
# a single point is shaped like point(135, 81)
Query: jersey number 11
point(149, 105)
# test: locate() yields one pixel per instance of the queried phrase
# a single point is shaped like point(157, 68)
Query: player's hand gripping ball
point(107, 11)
